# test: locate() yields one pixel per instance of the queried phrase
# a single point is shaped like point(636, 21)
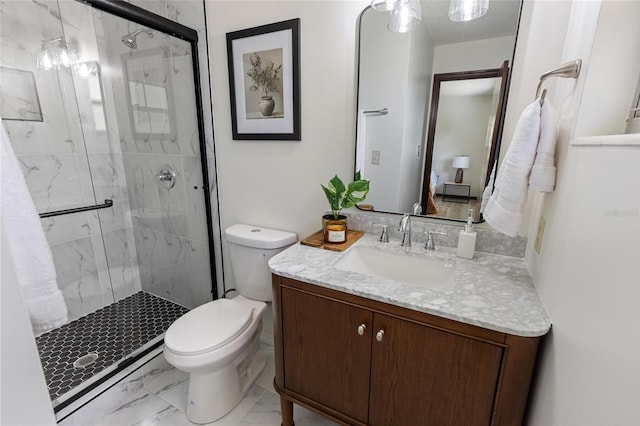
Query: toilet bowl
point(223, 362)
point(218, 343)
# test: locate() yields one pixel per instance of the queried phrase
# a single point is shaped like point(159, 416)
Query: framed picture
point(19, 95)
point(264, 81)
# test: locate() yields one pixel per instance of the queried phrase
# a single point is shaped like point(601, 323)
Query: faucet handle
point(430, 245)
point(384, 235)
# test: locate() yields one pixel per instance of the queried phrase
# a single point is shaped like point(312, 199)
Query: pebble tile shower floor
point(112, 333)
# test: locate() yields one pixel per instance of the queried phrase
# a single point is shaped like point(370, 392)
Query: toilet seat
point(208, 327)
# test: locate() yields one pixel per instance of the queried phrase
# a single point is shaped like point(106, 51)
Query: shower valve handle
point(167, 177)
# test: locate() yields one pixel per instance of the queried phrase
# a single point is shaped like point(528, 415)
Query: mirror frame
point(438, 79)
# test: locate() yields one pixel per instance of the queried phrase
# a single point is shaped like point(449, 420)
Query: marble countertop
point(490, 291)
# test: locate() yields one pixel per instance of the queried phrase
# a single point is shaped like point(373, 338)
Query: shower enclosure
point(110, 119)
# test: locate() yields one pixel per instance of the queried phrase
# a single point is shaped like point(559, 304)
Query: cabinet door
point(424, 376)
point(325, 357)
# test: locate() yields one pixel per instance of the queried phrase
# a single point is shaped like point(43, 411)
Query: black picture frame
point(268, 49)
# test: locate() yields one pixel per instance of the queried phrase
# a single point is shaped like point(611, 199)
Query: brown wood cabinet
point(364, 362)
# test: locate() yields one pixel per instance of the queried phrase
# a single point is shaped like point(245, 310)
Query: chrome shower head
point(129, 40)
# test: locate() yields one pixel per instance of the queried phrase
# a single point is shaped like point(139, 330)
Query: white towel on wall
point(543, 173)
point(505, 208)
point(28, 246)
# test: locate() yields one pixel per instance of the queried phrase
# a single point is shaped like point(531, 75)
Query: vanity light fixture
point(467, 10)
point(387, 5)
point(460, 162)
point(406, 17)
point(55, 54)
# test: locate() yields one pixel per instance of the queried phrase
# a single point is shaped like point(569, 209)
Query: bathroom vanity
point(365, 349)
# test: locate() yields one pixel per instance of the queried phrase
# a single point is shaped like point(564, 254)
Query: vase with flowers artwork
point(264, 72)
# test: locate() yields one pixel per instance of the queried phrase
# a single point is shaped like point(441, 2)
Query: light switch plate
point(375, 157)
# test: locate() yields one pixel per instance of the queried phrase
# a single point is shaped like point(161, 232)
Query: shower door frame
point(151, 20)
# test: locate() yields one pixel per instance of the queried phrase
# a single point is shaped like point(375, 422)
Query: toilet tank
point(250, 248)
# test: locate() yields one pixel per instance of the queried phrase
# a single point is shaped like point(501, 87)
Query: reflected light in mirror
point(467, 10)
point(387, 5)
point(405, 18)
point(460, 162)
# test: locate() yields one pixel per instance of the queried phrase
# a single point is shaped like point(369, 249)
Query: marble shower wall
point(169, 223)
point(71, 158)
point(84, 152)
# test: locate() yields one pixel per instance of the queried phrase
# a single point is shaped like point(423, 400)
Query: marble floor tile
point(143, 408)
point(172, 386)
point(265, 379)
point(236, 416)
point(164, 398)
point(266, 412)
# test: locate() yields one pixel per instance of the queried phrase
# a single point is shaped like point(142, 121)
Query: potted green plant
point(341, 197)
point(264, 80)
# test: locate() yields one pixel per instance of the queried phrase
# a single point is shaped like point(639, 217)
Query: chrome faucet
point(405, 228)
point(430, 245)
point(384, 235)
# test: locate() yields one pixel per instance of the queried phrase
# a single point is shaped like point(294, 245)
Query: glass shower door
point(152, 86)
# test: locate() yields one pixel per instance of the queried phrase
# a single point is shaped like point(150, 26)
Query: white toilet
point(218, 343)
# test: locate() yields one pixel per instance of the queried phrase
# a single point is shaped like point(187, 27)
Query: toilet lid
point(207, 327)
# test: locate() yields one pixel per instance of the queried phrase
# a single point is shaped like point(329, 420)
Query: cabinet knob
point(361, 329)
point(379, 335)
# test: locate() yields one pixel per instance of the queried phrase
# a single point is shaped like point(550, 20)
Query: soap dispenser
point(467, 239)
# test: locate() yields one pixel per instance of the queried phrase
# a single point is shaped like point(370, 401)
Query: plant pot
point(334, 230)
point(267, 105)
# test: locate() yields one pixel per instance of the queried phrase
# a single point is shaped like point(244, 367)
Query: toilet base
point(213, 395)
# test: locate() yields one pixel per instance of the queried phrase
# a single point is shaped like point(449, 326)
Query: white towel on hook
point(543, 173)
point(28, 246)
point(505, 208)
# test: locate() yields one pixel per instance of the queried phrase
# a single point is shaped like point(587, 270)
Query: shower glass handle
point(166, 177)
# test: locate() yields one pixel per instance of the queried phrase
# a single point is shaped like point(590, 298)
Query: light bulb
point(467, 10)
point(387, 5)
point(405, 18)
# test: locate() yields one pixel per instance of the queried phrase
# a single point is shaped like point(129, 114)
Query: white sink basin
point(423, 270)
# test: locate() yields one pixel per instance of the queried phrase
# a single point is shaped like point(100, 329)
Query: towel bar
point(568, 70)
point(107, 203)
point(383, 111)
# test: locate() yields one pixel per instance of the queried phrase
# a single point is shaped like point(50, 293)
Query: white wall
point(473, 55)
point(587, 270)
point(453, 139)
point(275, 183)
point(416, 118)
point(543, 29)
point(24, 396)
point(386, 58)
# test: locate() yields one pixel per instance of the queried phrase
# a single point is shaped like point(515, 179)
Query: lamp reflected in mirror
point(460, 162)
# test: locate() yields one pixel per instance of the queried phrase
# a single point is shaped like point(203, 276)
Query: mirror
point(459, 158)
point(407, 86)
